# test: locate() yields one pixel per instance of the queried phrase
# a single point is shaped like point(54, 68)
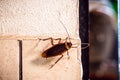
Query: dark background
point(84, 35)
point(83, 32)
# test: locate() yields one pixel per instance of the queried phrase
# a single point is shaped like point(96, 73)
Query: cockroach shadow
point(39, 60)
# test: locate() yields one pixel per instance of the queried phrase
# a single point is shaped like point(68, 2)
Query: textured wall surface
point(37, 17)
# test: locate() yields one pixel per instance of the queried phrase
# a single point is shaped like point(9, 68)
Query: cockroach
point(58, 49)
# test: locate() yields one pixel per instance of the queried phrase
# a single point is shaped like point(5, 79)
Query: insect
point(59, 48)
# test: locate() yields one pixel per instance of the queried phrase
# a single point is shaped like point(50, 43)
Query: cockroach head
point(69, 44)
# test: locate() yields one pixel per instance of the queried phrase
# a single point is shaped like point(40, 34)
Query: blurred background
point(119, 34)
point(103, 38)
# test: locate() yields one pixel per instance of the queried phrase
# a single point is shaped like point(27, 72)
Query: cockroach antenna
point(65, 29)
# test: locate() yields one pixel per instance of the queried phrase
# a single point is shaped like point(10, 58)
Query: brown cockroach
point(58, 49)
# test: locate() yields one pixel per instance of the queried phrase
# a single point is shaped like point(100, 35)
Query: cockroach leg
point(68, 55)
point(66, 43)
point(66, 39)
point(56, 62)
point(50, 39)
point(47, 39)
point(59, 40)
